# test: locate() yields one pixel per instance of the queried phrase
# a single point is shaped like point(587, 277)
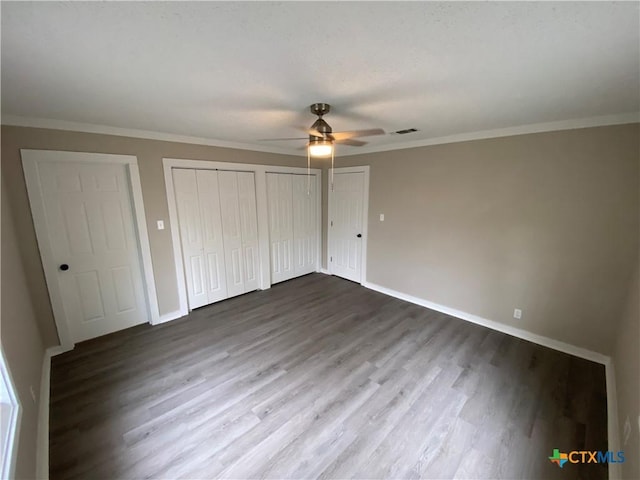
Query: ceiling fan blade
point(353, 143)
point(357, 133)
point(312, 131)
point(278, 139)
point(316, 133)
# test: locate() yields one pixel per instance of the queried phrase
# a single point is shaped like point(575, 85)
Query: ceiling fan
point(322, 138)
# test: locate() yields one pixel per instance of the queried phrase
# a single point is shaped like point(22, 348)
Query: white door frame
point(260, 172)
point(30, 158)
point(12, 432)
point(365, 218)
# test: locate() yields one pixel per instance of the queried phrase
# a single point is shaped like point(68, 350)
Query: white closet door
point(230, 212)
point(213, 247)
point(189, 219)
point(240, 230)
point(248, 229)
point(280, 206)
point(304, 224)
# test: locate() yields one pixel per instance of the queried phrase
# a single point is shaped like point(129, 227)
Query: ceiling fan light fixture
point(320, 148)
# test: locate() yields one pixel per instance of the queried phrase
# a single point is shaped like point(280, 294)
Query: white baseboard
point(42, 446)
point(613, 428)
point(167, 317)
point(325, 271)
point(57, 350)
point(500, 327)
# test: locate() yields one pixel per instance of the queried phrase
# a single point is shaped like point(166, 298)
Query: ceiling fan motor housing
point(320, 109)
point(320, 125)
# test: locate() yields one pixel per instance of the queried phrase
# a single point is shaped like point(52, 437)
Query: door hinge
point(332, 223)
point(331, 259)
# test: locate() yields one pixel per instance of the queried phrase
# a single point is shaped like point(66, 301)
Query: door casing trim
point(30, 158)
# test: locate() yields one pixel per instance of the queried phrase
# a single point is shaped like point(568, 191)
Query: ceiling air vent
point(405, 131)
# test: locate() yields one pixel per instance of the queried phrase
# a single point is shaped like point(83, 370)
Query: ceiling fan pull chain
point(333, 155)
point(308, 173)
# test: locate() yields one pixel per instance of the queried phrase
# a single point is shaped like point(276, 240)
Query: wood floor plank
point(319, 377)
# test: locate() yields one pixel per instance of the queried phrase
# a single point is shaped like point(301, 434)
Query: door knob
point(64, 267)
point(359, 235)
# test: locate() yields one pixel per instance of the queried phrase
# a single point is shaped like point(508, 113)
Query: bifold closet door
point(280, 206)
point(212, 234)
point(240, 230)
point(305, 224)
point(201, 235)
point(293, 231)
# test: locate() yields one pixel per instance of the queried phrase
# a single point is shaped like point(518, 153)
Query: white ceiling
point(233, 73)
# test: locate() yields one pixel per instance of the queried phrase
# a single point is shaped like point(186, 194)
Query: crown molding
point(576, 123)
point(572, 124)
point(50, 123)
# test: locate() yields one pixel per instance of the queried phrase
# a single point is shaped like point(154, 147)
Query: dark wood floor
point(321, 378)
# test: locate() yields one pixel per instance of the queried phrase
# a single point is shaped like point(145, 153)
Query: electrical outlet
point(517, 313)
point(626, 431)
point(33, 393)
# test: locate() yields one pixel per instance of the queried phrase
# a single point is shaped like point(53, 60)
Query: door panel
point(304, 224)
point(77, 239)
point(116, 238)
point(248, 229)
point(197, 274)
point(90, 227)
point(88, 289)
point(122, 282)
point(213, 242)
point(216, 274)
point(280, 206)
point(347, 218)
point(189, 219)
point(231, 232)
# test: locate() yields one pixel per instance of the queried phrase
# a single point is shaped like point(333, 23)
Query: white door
point(305, 224)
point(249, 229)
point(90, 233)
point(346, 224)
point(213, 247)
point(200, 226)
point(280, 206)
point(240, 230)
point(293, 225)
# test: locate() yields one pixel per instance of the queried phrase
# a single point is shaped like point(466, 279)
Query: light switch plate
point(382, 217)
point(160, 225)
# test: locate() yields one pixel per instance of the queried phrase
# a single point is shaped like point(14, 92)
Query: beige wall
point(150, 154)
point(21, 341)
point(626, 361)
point(544, 222)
